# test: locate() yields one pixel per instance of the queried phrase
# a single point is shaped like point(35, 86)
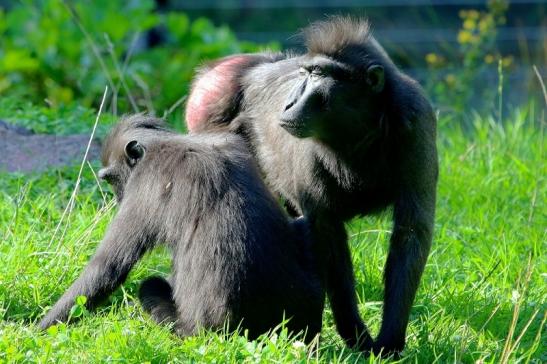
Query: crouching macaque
point(237, 258)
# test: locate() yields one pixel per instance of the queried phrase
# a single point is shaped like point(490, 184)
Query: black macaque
point(338, 132)
point(237, 258)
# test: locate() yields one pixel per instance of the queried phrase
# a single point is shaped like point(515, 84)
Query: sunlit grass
point(487, 268)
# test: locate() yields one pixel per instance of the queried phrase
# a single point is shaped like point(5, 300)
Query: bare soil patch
point(21, 150)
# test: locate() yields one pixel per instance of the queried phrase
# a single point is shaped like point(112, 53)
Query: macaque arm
point(126, 240)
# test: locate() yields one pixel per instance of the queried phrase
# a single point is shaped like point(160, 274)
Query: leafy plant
point(65, 51)
point(457, 77)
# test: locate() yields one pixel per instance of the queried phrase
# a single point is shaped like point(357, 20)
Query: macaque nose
point(290, 104)
point(295, 95)
point(291, 114)
point(102, 173)
point(106, 174)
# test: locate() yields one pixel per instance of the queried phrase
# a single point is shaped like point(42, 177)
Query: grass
point(482, 297)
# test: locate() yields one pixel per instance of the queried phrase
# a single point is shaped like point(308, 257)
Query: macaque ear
point(134, 151)
point(375, 78)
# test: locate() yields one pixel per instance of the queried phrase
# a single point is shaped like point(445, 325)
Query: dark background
point(422, 37)
point(407, 29)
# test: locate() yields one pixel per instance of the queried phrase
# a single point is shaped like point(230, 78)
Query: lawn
point(482, 297)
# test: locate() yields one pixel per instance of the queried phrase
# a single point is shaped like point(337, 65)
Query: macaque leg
point(156, 297)
point(331, 235)
point(408, 252)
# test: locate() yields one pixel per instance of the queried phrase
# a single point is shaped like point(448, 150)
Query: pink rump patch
point(211, 87)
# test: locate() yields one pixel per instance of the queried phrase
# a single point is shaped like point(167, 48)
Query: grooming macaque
point(237, 258)
point(338, 132)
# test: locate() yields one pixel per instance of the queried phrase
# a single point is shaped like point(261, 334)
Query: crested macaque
point(238, 260)
point(338, 132)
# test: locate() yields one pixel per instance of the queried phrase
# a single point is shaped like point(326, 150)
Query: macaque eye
point(302, 71)
point(317, 71)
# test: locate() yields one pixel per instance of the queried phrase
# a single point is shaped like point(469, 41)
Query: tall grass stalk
point(67, 211)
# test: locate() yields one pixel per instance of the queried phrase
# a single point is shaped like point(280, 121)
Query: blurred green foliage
point(55, 53)
point(455, 77)
point(62, 52)
point(63, 119)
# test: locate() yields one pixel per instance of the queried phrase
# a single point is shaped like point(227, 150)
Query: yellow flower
point(473, 14)
point(431, 58)
point(464, 36)
point(486, 23)
point(498, 6)
point(489, 58)
point(469, 24)
point(450, 79)
point(507, 61)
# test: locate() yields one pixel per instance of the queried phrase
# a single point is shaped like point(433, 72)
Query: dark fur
point(348, 135)
point(237, 259)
